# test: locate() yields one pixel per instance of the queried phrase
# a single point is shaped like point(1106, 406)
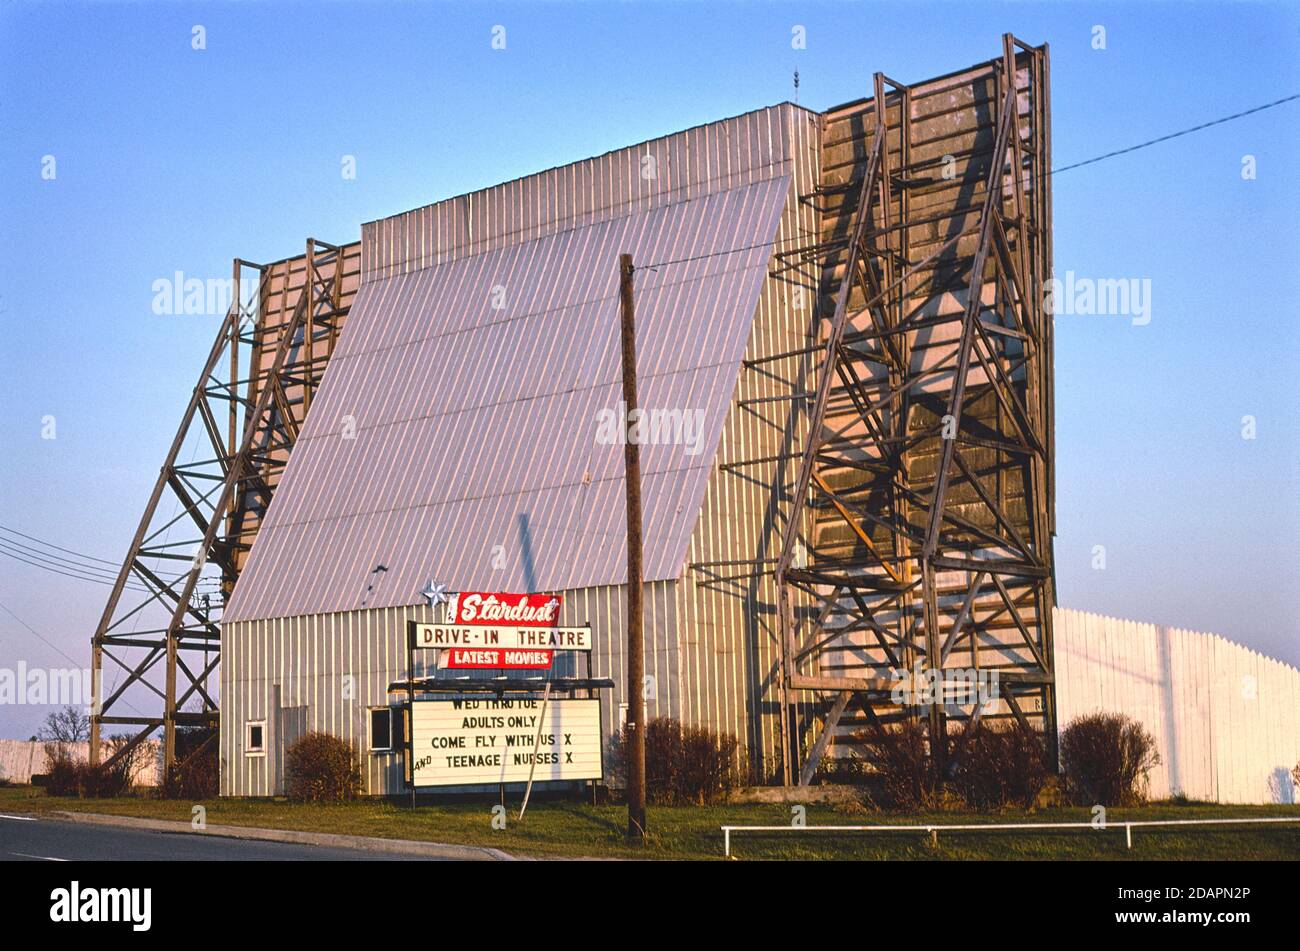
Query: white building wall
point(1226, 720)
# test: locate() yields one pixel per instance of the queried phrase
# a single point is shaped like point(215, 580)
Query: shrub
point(684, 764)
point(834, 770)
point(63, 774)
point(70, 776)
point(1105, 758)
point(320, 767)
point(708, 766)
point(902, 768)
point(1000, 767)
point(194, 774)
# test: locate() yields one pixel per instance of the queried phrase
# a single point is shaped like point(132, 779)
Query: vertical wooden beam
point(232, 434)
point(309, 329)
point(232, 437)
point(785, 638)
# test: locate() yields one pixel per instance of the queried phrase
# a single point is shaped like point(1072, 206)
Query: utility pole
point(635, 731)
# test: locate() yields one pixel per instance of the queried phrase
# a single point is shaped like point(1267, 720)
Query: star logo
point(435, 594)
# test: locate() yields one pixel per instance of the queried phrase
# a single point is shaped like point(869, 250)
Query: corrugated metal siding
point(729, 631)
point(1223, 716)
point(468, 420)
point(307, 661)
point(715, 157)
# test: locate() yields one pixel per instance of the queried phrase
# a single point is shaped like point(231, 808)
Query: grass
point(560, 828)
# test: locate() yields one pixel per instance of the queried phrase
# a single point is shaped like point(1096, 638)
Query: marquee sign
point(485, 608)
point(444, 636)
point(488, 741)
point(494, 658)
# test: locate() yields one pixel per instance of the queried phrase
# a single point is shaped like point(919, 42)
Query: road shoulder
point(433, 850)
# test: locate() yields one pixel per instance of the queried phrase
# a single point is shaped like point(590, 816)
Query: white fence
point(20, 759)
point(1226, 719)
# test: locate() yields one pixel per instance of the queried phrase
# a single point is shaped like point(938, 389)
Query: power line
point(67, 574)
point(57, 560)
point(1174, 135)
point(1055, 171)
point(52, 562)
point(714, 254)
point(36, 633)
point(75, 569)
point(4, 607)
point(32, 538)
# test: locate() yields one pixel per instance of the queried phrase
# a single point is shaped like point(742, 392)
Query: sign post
point(528, 790)
point(410, 712)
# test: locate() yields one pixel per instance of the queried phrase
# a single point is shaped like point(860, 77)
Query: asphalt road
point(53, 840)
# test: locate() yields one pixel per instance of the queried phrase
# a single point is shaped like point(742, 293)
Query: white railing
point(933, 830)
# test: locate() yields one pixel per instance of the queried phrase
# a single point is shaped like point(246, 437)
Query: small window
point(255, 738)
point(386, 733)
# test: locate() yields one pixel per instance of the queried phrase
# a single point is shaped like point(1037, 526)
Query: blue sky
point(173, 159)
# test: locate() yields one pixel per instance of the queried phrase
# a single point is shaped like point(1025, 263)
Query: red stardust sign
point(498, 609)
point(484, 658)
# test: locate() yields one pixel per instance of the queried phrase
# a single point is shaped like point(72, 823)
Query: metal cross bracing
point(918, 532)
point(203, 514)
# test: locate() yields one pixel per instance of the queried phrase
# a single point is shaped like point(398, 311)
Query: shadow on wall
point(1283, 784)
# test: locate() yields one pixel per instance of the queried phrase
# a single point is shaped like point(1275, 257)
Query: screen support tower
point(160, 627)
point(919, 529)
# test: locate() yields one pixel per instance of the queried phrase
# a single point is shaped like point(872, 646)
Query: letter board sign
point(487, 741)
